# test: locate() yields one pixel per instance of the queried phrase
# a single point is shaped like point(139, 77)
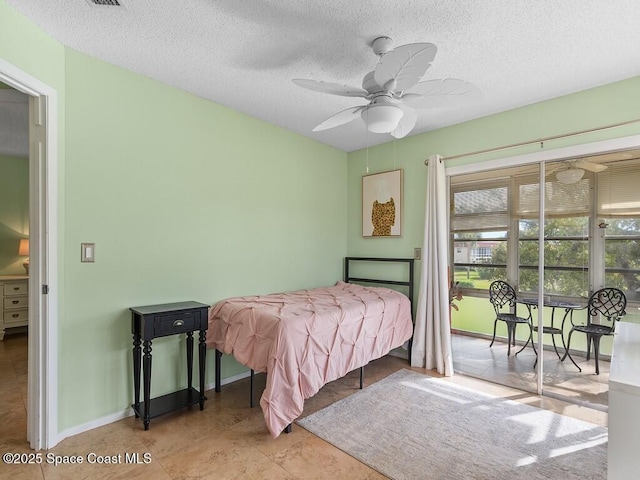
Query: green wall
point(609, 104)
point(14, 212)
point(184, 199)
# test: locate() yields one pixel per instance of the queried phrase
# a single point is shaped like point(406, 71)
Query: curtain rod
point(539, 140)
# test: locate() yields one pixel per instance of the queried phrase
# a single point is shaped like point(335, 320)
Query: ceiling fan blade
point(406, 124)
point(592, 167)
point(332, 88)
point(340, 118)
point(440, 93)
point(404, 66)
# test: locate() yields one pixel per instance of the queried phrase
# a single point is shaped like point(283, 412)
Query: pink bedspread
point(307, 338)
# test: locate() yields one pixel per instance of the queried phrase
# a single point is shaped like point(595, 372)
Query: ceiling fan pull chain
point(367, 114)
point(394, 153)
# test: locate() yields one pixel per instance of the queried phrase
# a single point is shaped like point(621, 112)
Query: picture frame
point(382, 202)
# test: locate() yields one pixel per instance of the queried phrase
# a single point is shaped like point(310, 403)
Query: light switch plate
point(87, 252)
point(417, 253)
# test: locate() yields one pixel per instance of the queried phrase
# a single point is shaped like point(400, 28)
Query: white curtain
point(432, 334)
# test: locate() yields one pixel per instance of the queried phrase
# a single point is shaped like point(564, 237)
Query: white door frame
point(42, 403)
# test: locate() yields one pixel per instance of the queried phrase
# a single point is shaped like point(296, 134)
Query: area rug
point(412, 426)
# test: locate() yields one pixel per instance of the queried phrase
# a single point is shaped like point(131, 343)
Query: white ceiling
point(244, 54)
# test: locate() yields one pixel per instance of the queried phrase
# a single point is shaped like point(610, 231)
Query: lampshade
point(570, 175)
point(23, 248)
point(382, 118)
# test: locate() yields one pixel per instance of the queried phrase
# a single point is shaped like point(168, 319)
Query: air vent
point(105, 3)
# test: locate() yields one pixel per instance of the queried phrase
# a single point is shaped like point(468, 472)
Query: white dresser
point(624, 403)
point(14, 300)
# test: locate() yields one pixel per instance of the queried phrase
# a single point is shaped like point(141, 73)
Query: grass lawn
point(471, 277)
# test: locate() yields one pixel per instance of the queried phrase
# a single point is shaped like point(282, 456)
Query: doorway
point(42, 391)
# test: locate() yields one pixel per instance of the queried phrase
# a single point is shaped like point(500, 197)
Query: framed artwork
point(382, 204)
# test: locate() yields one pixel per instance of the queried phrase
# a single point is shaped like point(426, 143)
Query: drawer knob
point(15, 302)
point(15, 315)
point(16, 288)
point(178, 323)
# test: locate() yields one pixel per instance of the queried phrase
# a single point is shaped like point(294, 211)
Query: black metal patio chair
point(606, 304)
point(503, 298)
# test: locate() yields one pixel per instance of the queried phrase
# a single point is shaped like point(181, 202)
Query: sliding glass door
point(484, 248)
point(587, 237)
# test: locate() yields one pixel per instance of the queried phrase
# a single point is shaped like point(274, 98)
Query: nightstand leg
point(137, 352)
point(190, 360)
point(146, 364)
point(202, 357)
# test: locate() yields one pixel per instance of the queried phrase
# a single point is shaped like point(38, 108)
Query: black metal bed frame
point(347, 278)
point(408, 283)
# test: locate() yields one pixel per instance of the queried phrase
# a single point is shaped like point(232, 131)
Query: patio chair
point(503, 298)
point(609, 305)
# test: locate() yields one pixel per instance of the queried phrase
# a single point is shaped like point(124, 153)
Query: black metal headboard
point(408, 283)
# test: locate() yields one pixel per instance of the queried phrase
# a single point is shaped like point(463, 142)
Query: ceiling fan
point(394, 89)
point(571, 171)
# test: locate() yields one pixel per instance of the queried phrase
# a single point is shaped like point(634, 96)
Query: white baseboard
point(225, 381)
point(115, 417)
point(98, 422)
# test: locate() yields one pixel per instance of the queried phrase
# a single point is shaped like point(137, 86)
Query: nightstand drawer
point(15, 302)
point(15, 288)
point(18, 317)
point(175, 323)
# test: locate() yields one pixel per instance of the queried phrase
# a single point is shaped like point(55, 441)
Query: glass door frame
point(541, 158)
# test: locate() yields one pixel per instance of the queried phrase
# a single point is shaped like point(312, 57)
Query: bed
point(307, 338)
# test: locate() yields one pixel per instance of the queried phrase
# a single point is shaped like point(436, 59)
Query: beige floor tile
point(91, 468)
point(7, 376)
point(221, 458)
point(313, 458)
point(20, 366)
point(11, 399)
point(13, 432)
point(106, 440)
point(228, 439)
point(21, 472)
point(474, 356)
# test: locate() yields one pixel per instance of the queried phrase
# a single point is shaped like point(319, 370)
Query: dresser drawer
point(15, 302)
point(175, 323)
point(15, 318)
point(15, 288)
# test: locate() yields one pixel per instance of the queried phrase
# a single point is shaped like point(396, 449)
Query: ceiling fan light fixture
point(382, 118)
point(570, 175)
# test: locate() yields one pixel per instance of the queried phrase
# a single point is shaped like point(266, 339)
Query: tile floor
point(225, 440)
point(473, 356)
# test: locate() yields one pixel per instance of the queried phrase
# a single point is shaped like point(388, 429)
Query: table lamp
point(23, 250)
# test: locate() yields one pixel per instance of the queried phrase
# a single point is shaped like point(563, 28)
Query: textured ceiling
point(244, 54)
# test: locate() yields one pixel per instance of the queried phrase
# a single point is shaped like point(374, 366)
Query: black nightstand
point(153, 321)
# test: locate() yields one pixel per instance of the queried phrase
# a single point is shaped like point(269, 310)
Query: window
point(591, 230)
point(619, 222)
point(566, 256)
point(480, 227)
point(622, 256)
point(566, 235)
